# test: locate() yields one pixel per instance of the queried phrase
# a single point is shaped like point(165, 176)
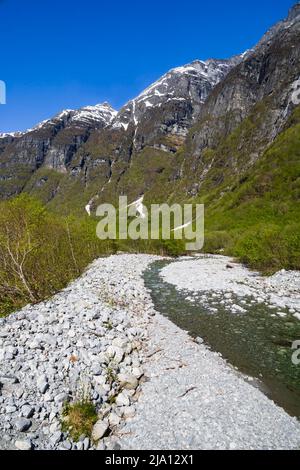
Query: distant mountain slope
point(194, 133)
point(51, 145)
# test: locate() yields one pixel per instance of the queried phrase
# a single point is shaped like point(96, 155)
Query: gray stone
point(128, 411)
point(67, 445)
point(122, 400)
point(86, 443)
point(42, 384)
point(114, 419)
point(22, 424)
point(101, 446)
point(27, 411)
point(61, 397)
point(55, 438)
point(128, 381)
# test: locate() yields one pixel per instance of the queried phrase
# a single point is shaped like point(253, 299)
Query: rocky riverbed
point(225, 279)
point(152, 385)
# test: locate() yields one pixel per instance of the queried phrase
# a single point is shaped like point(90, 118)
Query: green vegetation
point(41, 252)
point(257, 218)
point(79, 418)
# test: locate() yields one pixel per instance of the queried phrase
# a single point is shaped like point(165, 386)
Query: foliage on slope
point(41, 252)
point(258, 217)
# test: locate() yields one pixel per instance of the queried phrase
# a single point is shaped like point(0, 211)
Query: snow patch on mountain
point(88, 116)
point(98, 113)
point(190, 83)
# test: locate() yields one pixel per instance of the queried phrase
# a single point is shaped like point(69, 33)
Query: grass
point(79, 419)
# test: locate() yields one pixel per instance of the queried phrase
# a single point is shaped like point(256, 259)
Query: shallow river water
point(255, 342)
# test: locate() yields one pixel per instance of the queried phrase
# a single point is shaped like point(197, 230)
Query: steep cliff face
point(247, 110)
point(173, 103)
point(196, 130)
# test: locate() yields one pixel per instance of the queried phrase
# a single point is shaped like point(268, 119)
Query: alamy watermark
point(134, 221)
point(296, 353)
point(2, 92)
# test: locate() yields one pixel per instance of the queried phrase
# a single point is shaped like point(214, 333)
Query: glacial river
point(256, 343)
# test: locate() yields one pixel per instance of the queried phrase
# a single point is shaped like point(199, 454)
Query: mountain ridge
point(170, 138)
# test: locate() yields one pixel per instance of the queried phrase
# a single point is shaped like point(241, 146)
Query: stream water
point(257, 342)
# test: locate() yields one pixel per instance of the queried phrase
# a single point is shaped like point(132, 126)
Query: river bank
point(225, 278)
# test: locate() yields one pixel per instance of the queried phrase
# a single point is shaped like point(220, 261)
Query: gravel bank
point(83, 341)
point(170, 393)
point(223, 277)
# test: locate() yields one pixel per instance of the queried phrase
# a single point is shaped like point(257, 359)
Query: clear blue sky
point(58, 54)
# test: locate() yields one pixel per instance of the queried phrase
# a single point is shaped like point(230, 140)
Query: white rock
point(23, 445)
point(99, 429)
point(22, 424)
point(128, 381)
point(120, 343)
point(27, 411)
point(114, 419)
point(281, 314)
point(115, 353)
point(128, 411)
point(137, 372)
point(122, 400)
point(55, 438)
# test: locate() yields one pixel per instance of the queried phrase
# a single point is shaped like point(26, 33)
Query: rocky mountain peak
point(294, 12)
point(186, 86)
point(101, 114)
point(286, 24)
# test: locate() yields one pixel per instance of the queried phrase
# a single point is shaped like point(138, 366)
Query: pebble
point(23, 445)
point(22, 424)
point(122, 400)
point(27, 411)
point(128, 381)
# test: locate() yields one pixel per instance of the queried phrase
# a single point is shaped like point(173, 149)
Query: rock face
point(246, 111)
point(50, 145)
point(168, 140)
point(172, 104)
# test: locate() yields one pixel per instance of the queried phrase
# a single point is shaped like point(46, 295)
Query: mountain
point(172, 103)
point(159, 117)
point(49, 145)
point(247, 110)
point(196, 133)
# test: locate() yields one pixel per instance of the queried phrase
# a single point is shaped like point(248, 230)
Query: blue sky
point(58, 54)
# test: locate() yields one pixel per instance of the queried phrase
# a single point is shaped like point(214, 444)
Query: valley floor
point(187, 398)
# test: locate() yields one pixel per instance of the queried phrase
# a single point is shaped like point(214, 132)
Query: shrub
point(270, 247)
point(217, 240)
